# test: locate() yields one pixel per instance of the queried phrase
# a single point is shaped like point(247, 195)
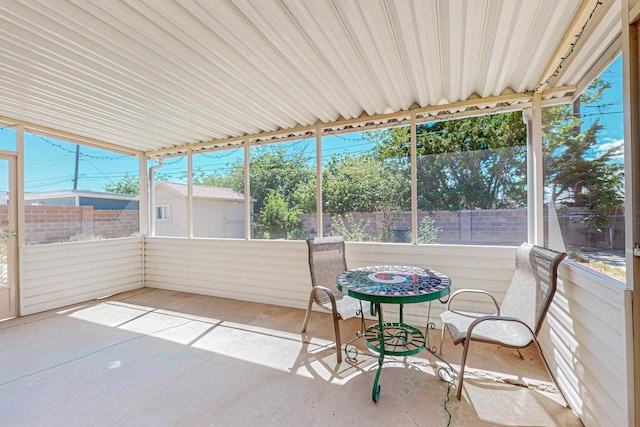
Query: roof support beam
point(566, 45)
point(634, 13)
point(476, 105)
point(600, 65)
point(69, 137)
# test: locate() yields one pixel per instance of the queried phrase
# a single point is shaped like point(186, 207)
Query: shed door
point(8, 239)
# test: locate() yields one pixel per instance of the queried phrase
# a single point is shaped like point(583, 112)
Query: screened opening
point(74, 192)
point(584, 180)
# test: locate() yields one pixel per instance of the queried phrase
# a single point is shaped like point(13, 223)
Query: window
point(472, 181)
point(163, 213)
point(583, 169)
point(366, 185)
point(7, 138)
point(170, 189)
point(74, 192)
point(283, 190)
point(218, 194)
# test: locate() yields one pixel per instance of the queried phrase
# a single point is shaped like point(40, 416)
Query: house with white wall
point(217, 211)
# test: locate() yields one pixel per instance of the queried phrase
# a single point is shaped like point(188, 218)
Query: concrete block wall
point(51, 224)
point(499, 226)
point(490, 226)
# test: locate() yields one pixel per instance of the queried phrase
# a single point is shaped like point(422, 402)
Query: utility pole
point(75, 174)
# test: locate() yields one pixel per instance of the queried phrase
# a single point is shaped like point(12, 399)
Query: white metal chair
point(326, 262)
point(518, 320)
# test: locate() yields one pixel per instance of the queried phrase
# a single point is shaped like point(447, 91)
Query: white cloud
point(608, 144)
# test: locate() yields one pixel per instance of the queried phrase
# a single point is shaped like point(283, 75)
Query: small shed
point(217, 211)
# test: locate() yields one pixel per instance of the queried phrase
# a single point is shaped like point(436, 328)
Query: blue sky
point(50, 163)
point(609, 110)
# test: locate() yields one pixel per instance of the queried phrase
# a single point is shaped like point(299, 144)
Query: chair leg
point(336, 327)
point(308, 314)
point(442, 339)
point(546, 365)
point(462, 364)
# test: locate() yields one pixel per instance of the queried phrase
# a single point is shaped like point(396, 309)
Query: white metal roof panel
point(149, 75)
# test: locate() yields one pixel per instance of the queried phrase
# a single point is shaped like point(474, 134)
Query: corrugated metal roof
point(204, 191)
point(152, 75)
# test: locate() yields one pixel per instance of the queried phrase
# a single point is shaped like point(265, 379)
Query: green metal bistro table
point(390, 284)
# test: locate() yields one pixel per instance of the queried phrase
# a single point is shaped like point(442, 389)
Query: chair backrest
point(326, 262)
point(533, 285)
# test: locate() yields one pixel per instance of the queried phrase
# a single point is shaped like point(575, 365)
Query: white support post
point(143, 196)
point(631, 95)
point(631, 109)
point(319, 222)
point(247, 192)
point(20, 226)
point(189, 193)
point(414, 180)
point(535, 172)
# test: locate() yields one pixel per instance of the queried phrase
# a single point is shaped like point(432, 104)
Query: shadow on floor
point(163, 358)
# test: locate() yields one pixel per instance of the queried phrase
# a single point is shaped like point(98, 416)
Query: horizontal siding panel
point(273, 272)
point(278, 272)
point(488, 268)
point(65, 297)
point(585, 342)
point(57, 275)
point(434, 256)
point(62, 251)
point(111, 263)
point(80, 280)
point(603, 365)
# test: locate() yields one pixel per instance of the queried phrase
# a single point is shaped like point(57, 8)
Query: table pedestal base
point(400, 339)
point(393, 338)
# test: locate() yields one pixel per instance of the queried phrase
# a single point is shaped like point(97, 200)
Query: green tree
point(201, 177)
point(127, 185)
point(277, 219)
point(350, 229)
point(277, 169)
point(578, 172)
point(364, 183)
point(478, 162)
point(427, 231)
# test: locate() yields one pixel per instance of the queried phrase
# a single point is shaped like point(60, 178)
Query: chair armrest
point(474, 291)
point(329, 293)
point(490, 318)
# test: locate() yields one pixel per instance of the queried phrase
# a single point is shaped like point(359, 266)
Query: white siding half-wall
point(586, 341)
point(57, 275)
point(277, 272)
point(251, 270)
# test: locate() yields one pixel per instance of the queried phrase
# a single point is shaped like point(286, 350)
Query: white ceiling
point(153, 74)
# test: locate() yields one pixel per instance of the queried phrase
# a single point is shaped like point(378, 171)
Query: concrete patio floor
point(161, 358)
